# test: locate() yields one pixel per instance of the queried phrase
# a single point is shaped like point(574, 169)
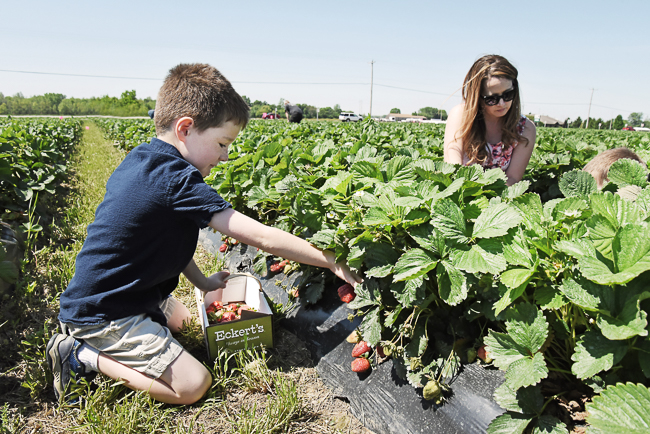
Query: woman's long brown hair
point(472, 128)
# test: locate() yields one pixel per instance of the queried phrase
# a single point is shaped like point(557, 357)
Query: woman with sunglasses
point(488, 128)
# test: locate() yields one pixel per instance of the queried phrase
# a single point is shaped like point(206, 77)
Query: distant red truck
point(268, 116)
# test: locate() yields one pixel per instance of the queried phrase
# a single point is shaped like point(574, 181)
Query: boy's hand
point(216, 281)
point(342, 270)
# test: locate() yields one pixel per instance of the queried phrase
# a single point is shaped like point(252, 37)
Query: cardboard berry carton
point(243, 316)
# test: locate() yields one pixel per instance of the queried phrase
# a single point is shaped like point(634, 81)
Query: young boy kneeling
point(117, 314)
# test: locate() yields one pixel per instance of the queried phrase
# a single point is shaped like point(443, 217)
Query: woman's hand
point(342, 270)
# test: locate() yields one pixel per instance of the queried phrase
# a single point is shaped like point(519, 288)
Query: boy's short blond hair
point(201, 92)
point(598, 167)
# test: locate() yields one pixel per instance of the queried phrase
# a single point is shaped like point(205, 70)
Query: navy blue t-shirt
point(144, 235)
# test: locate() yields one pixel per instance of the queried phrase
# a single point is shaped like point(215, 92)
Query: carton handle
point(232, 275)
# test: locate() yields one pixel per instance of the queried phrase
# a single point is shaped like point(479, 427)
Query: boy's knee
point(196, 387)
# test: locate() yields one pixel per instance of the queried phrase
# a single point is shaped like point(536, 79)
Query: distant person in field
point(598, 167)
point(293, 112)
point(117, 314)
point(487, 128)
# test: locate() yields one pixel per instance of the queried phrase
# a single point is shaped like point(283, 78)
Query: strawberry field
point(33, 162)
point(546, 280)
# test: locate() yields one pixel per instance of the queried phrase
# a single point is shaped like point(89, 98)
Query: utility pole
point(589, 111)
point(372, 67)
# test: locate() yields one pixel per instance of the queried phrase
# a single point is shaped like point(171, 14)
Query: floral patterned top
point(500, 154)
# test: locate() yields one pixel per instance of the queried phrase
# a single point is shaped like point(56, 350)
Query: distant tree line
point(57, 104)
point(635, 119)
point(129, 105)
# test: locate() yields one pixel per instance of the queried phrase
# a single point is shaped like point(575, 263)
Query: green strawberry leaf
point(478, 260)
point(367, 294)
point(595, 353)
point(575, 248)
point(629, 322)
point(618, 211)
point(527, 327)
point(376, 216)
point(371, 327)
point(495, 221)
point(579, 295)
point(569, 208)
point(382, 271)
point(550, 297)
point(625, 172)
point(509, 423)
point(503, 349)
point(449, 220)
point(409, 293)
point(452, 283)
point(428, 238)
point(508, 297)
point(313, 291)
point(620, 409)
point(577, 183)
point(531, 211)
point(413, 264)
point(516, 277)
point(525, 400)
point(516, 252)
point(472, 210)
point(516, 190)
point(547, 424)
point(323, 239)
point(526, 372)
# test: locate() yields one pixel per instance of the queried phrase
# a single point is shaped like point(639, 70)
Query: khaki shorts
point(135, 341)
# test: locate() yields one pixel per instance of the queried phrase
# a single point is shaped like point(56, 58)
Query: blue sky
point(269, 50)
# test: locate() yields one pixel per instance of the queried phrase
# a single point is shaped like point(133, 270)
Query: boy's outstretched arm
point(203, 282)
point(278, 243)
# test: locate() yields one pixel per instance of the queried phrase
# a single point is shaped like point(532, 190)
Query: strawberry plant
point(544, 279)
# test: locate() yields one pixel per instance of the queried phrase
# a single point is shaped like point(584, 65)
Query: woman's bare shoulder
point(457, 110)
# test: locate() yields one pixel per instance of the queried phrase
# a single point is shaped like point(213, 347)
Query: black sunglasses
point(507, 96)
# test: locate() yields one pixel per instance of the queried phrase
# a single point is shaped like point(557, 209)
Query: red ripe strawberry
point(275, 267)
point(228, 316)
point(360, 365)
point(223, 248)
point(346, 293)
point(360, 348)
point(243, 307)
point(483, 354)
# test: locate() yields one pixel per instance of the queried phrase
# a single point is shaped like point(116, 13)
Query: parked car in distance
point(349, 117)
point(643, 129)
point(628, 128)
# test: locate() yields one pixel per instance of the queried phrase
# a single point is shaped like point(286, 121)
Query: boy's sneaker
point(62, 359)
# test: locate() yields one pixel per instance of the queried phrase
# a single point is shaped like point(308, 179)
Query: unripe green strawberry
point(432, 390)
point(471, 355)
point(354, 337)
